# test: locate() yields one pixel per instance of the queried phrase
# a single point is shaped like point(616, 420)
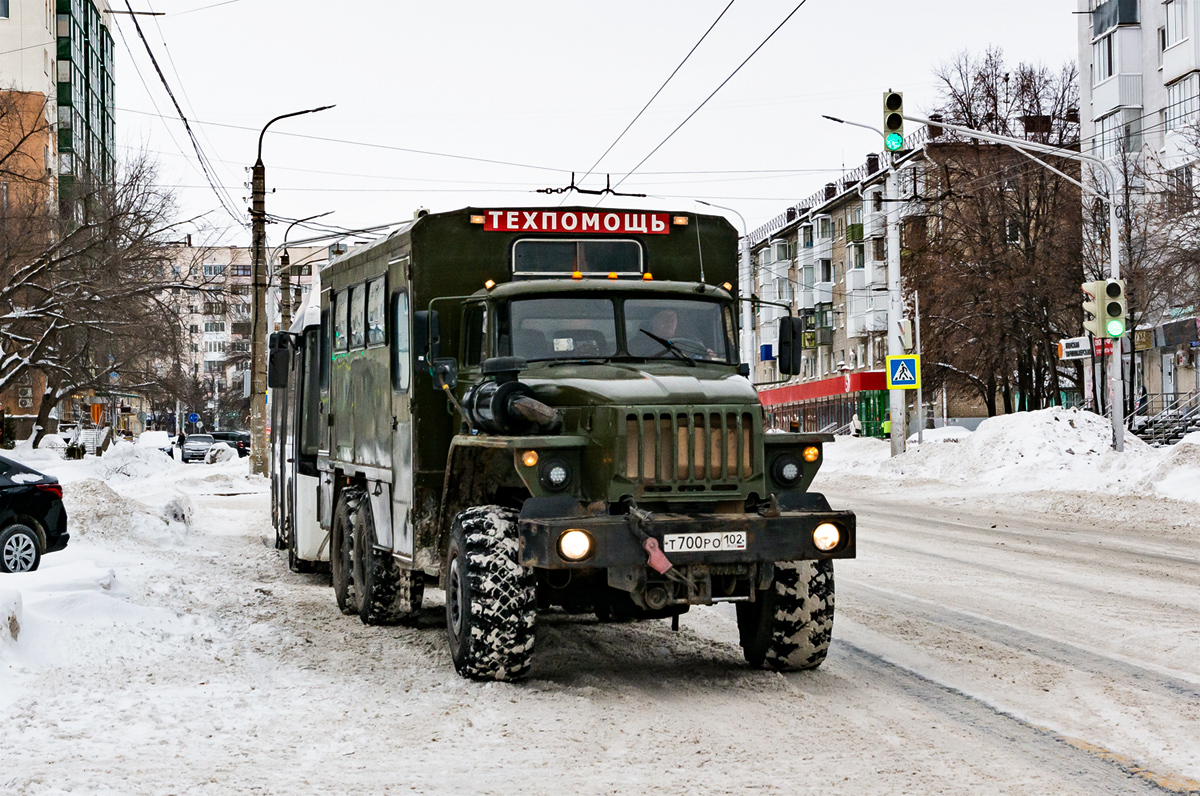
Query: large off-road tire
point(491, 600)
point(789, 626)
point(19, 549)
point(386, 593)
point(341, 551)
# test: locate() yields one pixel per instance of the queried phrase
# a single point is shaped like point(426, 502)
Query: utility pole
point(920, 392)
point(896, 399)
point(258, 330)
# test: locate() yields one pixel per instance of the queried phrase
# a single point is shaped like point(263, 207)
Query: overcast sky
point(547, 84)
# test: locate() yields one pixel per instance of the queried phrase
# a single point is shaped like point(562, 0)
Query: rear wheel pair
point(368, 581)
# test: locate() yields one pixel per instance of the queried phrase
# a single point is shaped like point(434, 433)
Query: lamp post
point(1116, 382)
point(745, 288)
point(258, 331)
point(896, 399)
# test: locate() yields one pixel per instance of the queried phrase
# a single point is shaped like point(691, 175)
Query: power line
point(656, 93)
point(713, 94)
point(224, 198)
point(367, 144)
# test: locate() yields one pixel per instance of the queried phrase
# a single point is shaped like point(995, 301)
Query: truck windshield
point(587, 328)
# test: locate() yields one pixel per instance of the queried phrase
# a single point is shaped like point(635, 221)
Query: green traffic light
point(894, 142)
point(1115, 327)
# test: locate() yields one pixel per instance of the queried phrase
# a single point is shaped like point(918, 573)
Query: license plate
point(703, 542)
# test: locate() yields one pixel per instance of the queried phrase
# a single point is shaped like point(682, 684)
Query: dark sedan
point(32, 518)
point(238, 440)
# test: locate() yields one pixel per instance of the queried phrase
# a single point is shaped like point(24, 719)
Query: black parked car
point(32, 518)
point(238, 440)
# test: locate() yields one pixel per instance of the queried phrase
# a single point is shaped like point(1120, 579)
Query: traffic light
point(1114, 307)
point(1093, 312)
point(893, 120)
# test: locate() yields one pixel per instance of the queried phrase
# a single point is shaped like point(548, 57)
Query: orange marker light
point(476, 219)
point(529, 459)
point(681, 221)
point(646, 277)
point(727, 286)
point(612, 275)
point(577, 275)
point(491, 283)
point(811, 453)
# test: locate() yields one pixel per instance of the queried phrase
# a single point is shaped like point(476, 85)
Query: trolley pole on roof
point(258, 331)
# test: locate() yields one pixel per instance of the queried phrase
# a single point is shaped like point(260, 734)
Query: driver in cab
point(658, 340)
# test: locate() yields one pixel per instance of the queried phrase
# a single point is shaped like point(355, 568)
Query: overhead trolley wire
point(656, 93)
point(713, 94)
point(210, 176)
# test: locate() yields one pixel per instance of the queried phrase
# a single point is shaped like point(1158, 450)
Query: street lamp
point(258, 336)
point(896, 399)
point(745, 287)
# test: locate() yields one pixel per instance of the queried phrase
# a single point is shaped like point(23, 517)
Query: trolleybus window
point(401, 367)
point(564, 257)
point(376, 299)
point(358, 301)
point(340, 310)
point(310, 395)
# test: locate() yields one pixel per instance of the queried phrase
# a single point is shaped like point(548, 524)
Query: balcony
point(1180, 59)
point(1112, 13)
point(854, 232)
point(1119, 91)
point(823, 293)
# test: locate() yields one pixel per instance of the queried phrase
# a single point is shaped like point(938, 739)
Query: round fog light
point(556, 475)
point(575, 545)
point(789, 471)
point(826, 536)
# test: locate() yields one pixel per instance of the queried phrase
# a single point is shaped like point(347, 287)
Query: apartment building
point(218, 315)
point(1140, 99)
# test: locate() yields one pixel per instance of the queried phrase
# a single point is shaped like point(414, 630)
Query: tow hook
point(656, 558)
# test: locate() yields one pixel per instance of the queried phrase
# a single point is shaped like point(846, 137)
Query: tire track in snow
point(1089, 765)
point(1064, 652)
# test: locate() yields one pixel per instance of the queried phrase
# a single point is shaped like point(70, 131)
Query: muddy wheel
point(386, 593)
point(341, 551)
point(789, 626)
point(491, 600)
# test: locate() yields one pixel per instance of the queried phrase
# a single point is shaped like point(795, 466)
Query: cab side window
point(474, 322)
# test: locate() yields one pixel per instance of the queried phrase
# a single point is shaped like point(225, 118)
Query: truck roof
point(594, 285)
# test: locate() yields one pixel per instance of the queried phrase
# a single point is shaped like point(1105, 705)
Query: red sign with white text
point(576, 222)
point(1102, 347)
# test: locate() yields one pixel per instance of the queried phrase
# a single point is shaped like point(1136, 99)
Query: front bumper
point(784, 537)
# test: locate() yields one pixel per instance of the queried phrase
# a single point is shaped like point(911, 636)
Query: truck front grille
point(689, 450)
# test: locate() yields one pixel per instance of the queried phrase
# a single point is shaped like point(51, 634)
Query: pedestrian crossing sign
point(904, 372)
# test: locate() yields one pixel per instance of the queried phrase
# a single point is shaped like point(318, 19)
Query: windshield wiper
point(674, 349)
point(586, 361)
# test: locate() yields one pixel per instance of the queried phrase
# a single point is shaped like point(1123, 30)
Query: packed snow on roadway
point(168, 649)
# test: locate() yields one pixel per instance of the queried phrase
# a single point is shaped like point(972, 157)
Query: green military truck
point(544, 409)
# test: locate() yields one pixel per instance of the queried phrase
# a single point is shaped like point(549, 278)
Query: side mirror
point(426, 337)
point(744, 369)
point(791, 334)
point(279, 360)
point(445, 371)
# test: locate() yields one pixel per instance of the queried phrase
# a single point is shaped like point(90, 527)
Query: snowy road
point(1042, 655)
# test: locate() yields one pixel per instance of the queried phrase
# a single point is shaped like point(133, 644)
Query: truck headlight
point(575, 545)
point(786, 470)
point(826, 536)
point(556, 475)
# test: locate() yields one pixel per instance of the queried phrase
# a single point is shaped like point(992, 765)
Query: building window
point(1176, 21)
point(214, 270)
point(1107, 132)
point(826, 268)
point(808, 237)
point(214, 308)
point(1181, 103)
point(781, 251)
point(214, 326)
point(1012, 231)
point(857, 257)
point(1103, 59)
point(3, 9)
point(826, 229)
point(1162, 44)
point(240, 270)
point(783, 289)
point(241, 328)
point(880, 249)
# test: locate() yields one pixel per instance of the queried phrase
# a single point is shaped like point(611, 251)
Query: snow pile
point(95, 509)
point(219, 452)
point(134, 461)
point(943, 434)
point(1054, 449)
